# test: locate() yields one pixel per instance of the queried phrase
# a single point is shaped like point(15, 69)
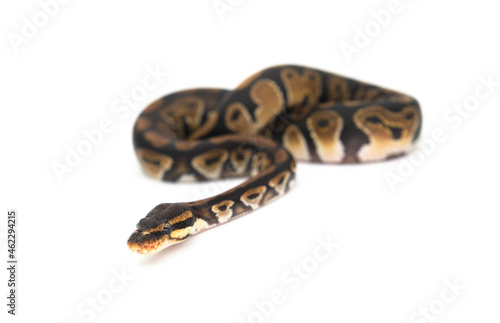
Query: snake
point(258, 130)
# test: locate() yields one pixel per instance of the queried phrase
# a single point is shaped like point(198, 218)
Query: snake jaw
point(144, 244)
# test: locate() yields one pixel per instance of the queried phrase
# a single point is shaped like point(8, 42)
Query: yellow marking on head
point(198, 226)
point(184, 216)
point(181, 233)
point(158, 228)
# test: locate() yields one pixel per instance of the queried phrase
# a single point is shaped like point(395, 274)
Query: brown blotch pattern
point(210, 163)
point(223, 210)
point(154, 163)
point(260, 162)
point(253, 196)
point(239, 160)
point(280, 181)
point(280, 156)
point(338, 89)
point(301, 87)
point(141, 124)
point(379, 124)
point(157, 139)
point(324, 128)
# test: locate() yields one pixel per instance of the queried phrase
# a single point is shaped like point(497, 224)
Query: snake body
point(258, 130)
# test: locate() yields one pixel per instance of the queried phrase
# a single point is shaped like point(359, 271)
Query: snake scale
point(258, 130)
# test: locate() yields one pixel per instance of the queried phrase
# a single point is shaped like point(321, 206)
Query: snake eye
point(167, 228)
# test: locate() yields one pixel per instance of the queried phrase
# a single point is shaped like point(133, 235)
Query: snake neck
point(254, 193)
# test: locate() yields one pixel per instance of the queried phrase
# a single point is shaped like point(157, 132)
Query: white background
point(399, 245)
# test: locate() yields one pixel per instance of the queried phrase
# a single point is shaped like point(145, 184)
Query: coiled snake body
point(274, 117)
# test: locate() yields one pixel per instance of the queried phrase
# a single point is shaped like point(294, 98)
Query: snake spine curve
point(258, 130)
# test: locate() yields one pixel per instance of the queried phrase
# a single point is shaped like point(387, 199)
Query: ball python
point(276, 116)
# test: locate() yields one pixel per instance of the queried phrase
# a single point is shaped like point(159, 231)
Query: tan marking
point(142, 124)
point(154, 163)
point(338, 89)
point(262, 142)
point(190, 109)
point(382, 144)
point(184, 216)
point(185, 145)
point(156, 139)
point(181, 233)
point(401, 98)
point(367, 92)
point(254, 201)
point(187, 178)
point(198, 226)
point(294, 141)
point(218, 158)
point(243, 123)
point(269, 98)
point(239, 160)
point(326, 136)
point(158, 228)
point(260, 162)
point(280, 181)
point(280, 156)
point(166, 129)
point(301, 87)
point(352, 103)
point(182, 167)
point(206, 127)
point(223, 215)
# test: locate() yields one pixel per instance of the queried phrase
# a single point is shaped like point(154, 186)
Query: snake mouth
point(148, 244)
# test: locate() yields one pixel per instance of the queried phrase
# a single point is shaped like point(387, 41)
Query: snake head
point(163, 226)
